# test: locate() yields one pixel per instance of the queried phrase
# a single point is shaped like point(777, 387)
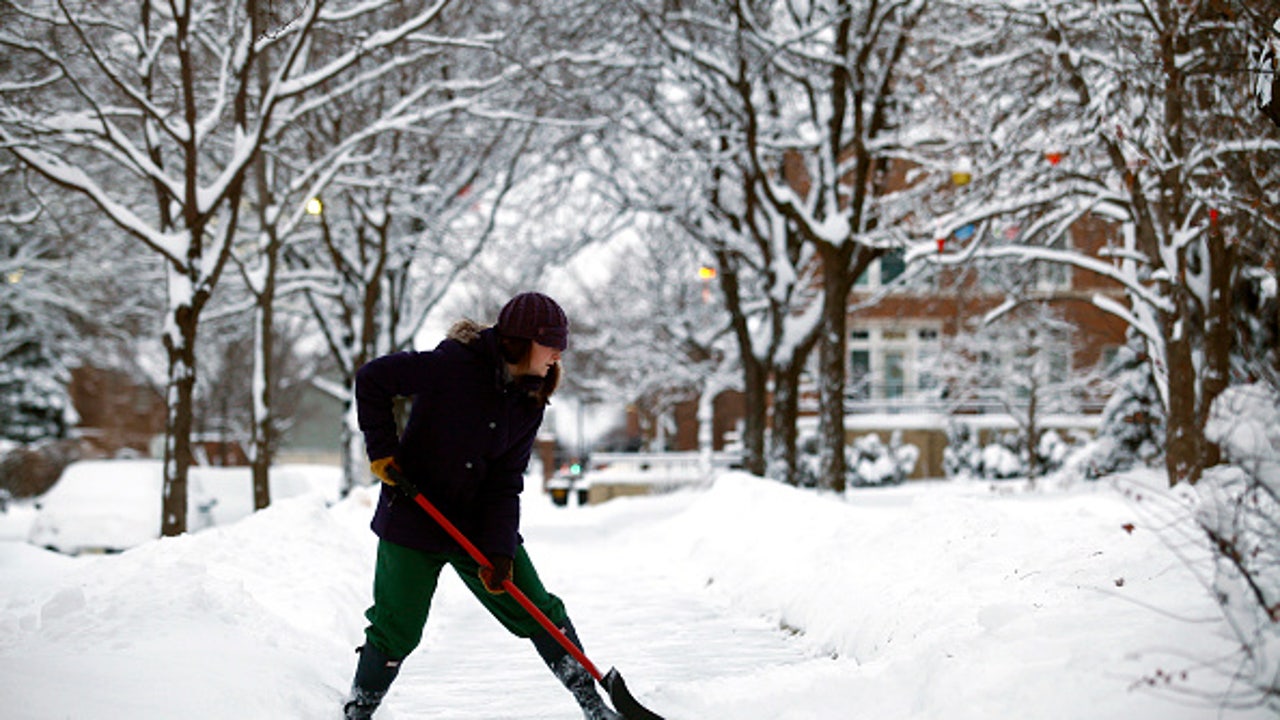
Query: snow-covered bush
point(1240, 513)
point(1004, 458)
point(808, 461)
point(871, 462)
point(1000, 462)
point(1052, 451)
point(962, 457)
point(868, 459)
point(34, 404)
point(1131, 430)
point(966, 458)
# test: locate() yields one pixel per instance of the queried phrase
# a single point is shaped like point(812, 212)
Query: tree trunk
point(832, 348)
point(263, 440)
point(706, 430)
point(1033, 427)
point(351, 446)
point(755, 372)
point(1183, 456)
point(786, 411)
point(756, 401)
point(1219, 333)
point(180, 343)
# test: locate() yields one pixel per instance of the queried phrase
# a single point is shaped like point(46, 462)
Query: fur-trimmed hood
point(466, 331)
point(471, 334)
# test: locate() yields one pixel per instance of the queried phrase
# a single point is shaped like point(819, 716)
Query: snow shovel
point(623, 702)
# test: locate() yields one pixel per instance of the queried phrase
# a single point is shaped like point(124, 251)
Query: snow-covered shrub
point(868, 460)
point(808, 461)
point(1052, 451)
point(962, 457)
point(1245, 424)
point(1000, 462)
point(871, 462)
point(34, 404)
point(1131, 429)
point(1239, 511)
point(905, 454)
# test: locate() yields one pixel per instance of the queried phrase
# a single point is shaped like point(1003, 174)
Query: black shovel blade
point(623, 702)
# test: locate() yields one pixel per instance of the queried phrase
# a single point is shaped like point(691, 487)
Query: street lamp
point(315, 206)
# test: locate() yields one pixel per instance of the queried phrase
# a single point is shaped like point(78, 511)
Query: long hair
point(515, 351)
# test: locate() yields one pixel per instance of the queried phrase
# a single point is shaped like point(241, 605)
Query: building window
point(892, 264)
point(892, 363)
point(895, 374)
point(1052, 276)
point(860, 374)
point(883, 270)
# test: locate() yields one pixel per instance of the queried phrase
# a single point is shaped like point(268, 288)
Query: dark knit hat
point(535, 317)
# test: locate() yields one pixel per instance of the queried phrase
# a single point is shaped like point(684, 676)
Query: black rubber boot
point(374, 674)
point(571, 673)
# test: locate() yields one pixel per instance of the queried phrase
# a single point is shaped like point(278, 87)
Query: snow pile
point(749, 600)
point(1245, 422)
point(976, 603)
point(245, 621)
point(1238, 505)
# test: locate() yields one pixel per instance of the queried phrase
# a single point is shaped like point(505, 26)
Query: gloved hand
point(380, 468)
point(501, 571)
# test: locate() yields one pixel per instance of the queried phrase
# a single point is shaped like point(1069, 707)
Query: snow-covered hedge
point(1004, 458)
point(869, 461)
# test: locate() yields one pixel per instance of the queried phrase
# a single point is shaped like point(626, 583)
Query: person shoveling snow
point(479, 398)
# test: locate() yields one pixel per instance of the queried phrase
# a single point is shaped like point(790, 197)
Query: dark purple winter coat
point(466, 444)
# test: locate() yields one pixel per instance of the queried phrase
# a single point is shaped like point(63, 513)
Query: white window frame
point(885, 338)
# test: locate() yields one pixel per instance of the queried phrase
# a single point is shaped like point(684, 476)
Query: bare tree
point(799, 102)
point(1018, 358)
point(664, 340)
point(158, 119)
point(1140, 116)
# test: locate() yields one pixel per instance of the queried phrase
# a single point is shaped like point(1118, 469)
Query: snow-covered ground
point(749, 600)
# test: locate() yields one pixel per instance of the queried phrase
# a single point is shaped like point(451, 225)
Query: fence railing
point(658, 468)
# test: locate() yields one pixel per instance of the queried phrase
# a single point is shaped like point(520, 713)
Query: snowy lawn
point(748, 601)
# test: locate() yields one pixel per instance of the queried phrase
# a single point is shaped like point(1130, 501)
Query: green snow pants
point(405, 580)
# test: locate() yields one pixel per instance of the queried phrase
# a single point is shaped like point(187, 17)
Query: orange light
point(706, 272)
point(1053, 157)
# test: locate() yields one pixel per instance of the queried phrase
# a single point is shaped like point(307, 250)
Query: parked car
point(100, 506)
point(566, 484)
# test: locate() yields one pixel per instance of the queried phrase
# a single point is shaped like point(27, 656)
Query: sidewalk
point(634, 613)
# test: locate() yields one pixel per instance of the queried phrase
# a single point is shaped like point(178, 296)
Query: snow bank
point(973, 602)
point(236, 622)
point(749, 600)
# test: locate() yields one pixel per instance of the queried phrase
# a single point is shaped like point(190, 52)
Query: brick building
point(893, 343)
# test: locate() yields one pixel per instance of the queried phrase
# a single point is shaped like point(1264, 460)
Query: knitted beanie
point(535, 317)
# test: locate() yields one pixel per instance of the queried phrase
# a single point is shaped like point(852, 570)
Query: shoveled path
point(682, 654)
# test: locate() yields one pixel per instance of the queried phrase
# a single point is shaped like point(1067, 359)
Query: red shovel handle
point(509, 586)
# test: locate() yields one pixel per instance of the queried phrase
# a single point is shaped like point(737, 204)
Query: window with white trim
point(892, 362)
